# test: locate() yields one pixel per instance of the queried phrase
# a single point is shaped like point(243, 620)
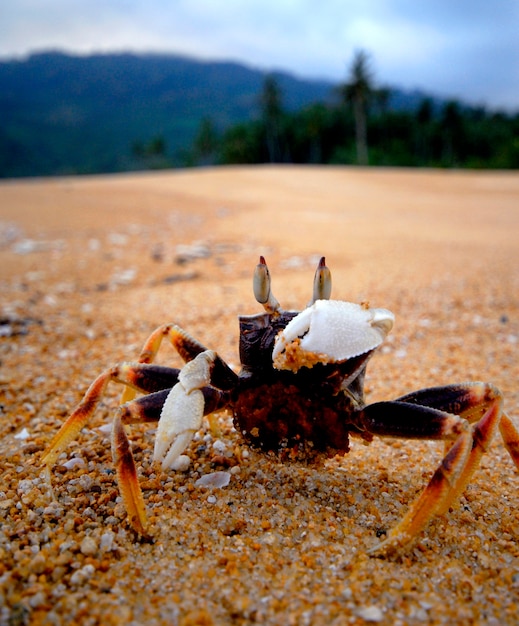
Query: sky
point(464, 49)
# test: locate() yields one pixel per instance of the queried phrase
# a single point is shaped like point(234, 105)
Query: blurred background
point(92, 87)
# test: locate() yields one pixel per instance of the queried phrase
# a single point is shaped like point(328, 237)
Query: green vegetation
point(62, 114)
point(360, 128)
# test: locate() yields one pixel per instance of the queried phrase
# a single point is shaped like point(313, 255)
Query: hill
point(72, 114)
point(64, 114)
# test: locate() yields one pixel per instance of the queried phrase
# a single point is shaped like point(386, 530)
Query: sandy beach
point(90, 266)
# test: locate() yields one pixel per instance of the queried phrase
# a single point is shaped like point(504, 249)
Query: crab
point(301, 386)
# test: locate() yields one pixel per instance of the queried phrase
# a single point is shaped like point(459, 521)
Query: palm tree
point(452, 132)
point(358, 93)
point(424, 120)
point(272, 114)
point(206, 142)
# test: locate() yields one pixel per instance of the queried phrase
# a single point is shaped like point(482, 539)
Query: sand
point(90, 266)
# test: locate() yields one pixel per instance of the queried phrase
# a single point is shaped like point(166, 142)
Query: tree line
point(359, 127)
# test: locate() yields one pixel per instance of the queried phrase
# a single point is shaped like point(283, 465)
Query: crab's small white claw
point(180, 418)
point(183, 411)
point(197, 373)
point(330, 331)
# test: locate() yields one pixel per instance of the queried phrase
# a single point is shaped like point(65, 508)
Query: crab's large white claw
point(183, 410)
point(330, 331)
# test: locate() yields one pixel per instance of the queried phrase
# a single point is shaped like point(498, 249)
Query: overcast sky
point(467, 49)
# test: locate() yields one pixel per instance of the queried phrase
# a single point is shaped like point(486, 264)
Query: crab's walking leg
point(187, 347)
point(470, 414)
point(470, 401)
point(145, 409)
point(127, 477)
point(141, 377)
point(154, 380)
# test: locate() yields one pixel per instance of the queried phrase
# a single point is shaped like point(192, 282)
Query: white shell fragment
point(330, 331)
point(75, 461)
point(215, 479)
point(23, 434)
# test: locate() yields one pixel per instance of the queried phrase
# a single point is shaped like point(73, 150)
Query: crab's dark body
point(313, 408)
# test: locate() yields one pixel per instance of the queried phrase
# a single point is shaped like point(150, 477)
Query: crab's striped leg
point(180, 412)
point(510, 434)
point(127, 477)
point(187, 347)
point(137, 376)
point(157, 382)
point(477, 409)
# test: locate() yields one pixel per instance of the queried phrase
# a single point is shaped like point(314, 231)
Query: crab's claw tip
point(383, 320)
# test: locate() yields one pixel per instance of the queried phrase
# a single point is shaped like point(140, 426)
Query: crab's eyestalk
point(322, 282)
point(261, 285)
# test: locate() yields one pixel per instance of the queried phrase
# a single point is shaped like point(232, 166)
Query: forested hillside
point(63, 114)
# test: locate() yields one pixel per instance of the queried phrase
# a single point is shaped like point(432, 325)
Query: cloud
point(467, 48)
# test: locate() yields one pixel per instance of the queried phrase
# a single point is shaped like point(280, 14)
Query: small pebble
point(88, 546)
point(80, 576)
point(219, 446)
point(107, 541)
point(370, 613)
point(181, 464)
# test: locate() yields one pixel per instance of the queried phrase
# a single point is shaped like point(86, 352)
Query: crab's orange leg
point(79, 417)
point(127, 477)
point(480, 404)
point(482, 434)
point(187, 347)
point(156, 382)
point(147, 408)
point(137, 376)
point(510, 434)
point(428, 504)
